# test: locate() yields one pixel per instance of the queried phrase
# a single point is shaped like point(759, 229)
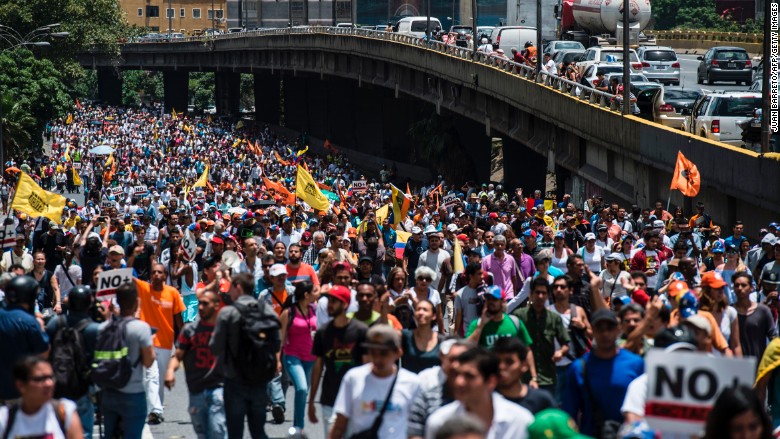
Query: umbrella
point(13, 169)
point(102, 150)
point(261, 203)
point(330, 195)
point(238, 210)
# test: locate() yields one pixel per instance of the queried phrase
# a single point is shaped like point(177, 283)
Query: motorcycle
point(751, 131)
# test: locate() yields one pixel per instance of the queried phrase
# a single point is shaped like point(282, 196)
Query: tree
point(202, 89)
point(136, 81)
point(37, 91)
point(17, 125)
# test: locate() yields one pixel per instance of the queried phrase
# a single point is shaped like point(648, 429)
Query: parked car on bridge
point(484, 31)
point(614, 54)
point(590, 73)
point(724, 63)
point(507, 37)
point(672, 103)
point(461, 32)
point(417, 26)
point(553, 47)
point(715, 115)
point(660, 64)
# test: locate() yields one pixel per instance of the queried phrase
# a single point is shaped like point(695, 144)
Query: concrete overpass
point(363, 90)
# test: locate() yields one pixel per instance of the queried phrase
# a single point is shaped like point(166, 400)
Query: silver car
point(660, 64)
point(715, 115)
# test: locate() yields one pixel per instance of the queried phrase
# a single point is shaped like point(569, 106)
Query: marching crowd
point(499, 315)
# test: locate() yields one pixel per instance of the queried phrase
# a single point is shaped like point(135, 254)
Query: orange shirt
point(278, 299)
point(158, 309)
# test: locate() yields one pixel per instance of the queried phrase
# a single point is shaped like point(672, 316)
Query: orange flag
point(281, 160)
point(287, 197)
point(686, 177)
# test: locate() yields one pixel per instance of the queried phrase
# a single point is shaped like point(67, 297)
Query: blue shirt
point(21, 335)
point(610, 379)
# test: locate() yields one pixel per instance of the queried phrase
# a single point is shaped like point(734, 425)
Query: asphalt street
point(689, 64)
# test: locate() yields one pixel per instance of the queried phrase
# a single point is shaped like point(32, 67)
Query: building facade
point(190, 17)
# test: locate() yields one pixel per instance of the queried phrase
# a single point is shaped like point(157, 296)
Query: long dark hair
point(732, 402)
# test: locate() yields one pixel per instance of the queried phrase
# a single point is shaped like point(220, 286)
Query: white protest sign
point(77, 165)
point(109, 281)
point(359, 186)
point(450, 200)
point(8, 236)
point(140, 190)
point(107, 204)
point(683, 386)
point(116, 190)
point(189, 245)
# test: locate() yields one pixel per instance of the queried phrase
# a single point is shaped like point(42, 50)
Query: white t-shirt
point(612, 285)
point(592, 260)
point(510, 420)
point(433, 261)
point(362, 394)
point(41, 424)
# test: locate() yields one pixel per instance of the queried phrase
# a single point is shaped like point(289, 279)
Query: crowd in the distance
point(501, 315)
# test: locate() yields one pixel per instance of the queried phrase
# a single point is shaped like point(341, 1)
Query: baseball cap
point(558, 235)
point(416, 230)
point(678, 336)
point(640, 297)
point(770, 277)
point(217, 240)
point(382, 337)
point(699, 322)
point(613, 257)
point(718, 247)
point(352, 232)
point(589, 236)
point(688, 306)
point(366, 259)
point(601, 227)
point(306, 238)
point(430, 229)
point(341, 293)
point(452, 228)
point(624, 300)
point(530, 233)
point(769, 239)
point(677, 288)
point(495, 292)
point(493, 215)
point(277, 270)
point(774, 224)
point(712, 279)
point(603, 315)
point(543, 255)
point(54, 226)
point(117, 249)
point(658, 224)
point(553, 423)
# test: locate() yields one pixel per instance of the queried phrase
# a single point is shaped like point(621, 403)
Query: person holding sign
point(162, 308)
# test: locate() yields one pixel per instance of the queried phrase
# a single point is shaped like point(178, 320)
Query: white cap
point(430, 229)
point(416, 230)
point(589, 236)
point(277, 270)
point(452, 228)
point(658, 224)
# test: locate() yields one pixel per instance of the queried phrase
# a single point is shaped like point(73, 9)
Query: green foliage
point(697, 15)
point(17, 125)
point(202, 88)
point(247, 90)
point(141, 85)
point(37, 92)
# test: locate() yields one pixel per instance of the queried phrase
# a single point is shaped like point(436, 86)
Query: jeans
point(207, 411)
point(276, 389)
point(560, 381)
point(130, 408)
point(245, 401)
point(86, 411)
point(155, 393)
point(300, 374)
point(328, 418)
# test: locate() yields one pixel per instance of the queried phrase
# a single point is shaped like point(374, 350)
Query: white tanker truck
point(600, 22)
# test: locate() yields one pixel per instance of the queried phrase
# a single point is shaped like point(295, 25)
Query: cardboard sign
point(189, 245)
point(450, 200)
point(109, 281)
point(359, 186)
point(8, 236)
point(107, 204)
point(77, 165)
point(116, 190)
point(683, 386)
point(140, 190)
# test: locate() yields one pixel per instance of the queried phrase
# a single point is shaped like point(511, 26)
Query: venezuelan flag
point(400, 243)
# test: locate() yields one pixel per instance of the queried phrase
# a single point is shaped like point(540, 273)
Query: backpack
point(112, 368)
point(13, 410)
point(69, 360)
point(259, 341)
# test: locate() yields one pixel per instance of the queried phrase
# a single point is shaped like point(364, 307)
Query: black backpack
point(69, 360)
point(112, 368)
point(259, 341)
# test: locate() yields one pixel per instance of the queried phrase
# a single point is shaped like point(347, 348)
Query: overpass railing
point(562, 85)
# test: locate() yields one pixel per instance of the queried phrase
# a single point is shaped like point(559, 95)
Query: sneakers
point(277, 411)
point(155, 419)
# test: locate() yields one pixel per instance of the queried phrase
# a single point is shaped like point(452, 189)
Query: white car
point(609, 54)
point(715, 115)
point(211, 109)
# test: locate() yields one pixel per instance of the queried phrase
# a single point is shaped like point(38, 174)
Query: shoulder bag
point(373, 432)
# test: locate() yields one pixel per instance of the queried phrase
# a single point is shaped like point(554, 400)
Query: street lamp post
point(15, 39)
point(626, 61)
point(169, 13)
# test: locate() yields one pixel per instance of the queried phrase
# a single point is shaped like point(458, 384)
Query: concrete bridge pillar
point(176, 90)
point(267, 98)
point(228, 92)
point(109, 86)
point(523, 167)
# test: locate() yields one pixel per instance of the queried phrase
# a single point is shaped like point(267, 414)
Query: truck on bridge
point(600, 22)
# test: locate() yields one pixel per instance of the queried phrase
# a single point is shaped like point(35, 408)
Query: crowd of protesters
point(495, 316)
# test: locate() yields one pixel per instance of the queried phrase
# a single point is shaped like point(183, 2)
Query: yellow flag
point(173, 113)
point(69, 120)
point(306, 189)
point(302, 152)
point(240, 124)
point(208, 119)
point(34, 201)
point(236, 143)
point(67, 153)
point(382, 213)
point(110, 159)
point(457, 256)
point(400, 205)
point(204, 178)
point(76, 179)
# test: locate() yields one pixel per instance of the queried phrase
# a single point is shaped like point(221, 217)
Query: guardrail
point(574, 89)
point(725, 37)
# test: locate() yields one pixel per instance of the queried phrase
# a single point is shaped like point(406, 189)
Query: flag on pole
point(400, 205)
point(174, 114)
point(240, 124)
point(400, 243)
point(686, 177)
point(204, 178)
point(287, 197)
point(306, 189)
point(69, 120)
point(66, 156)
point(34, 201)
point(76, 179)
point(110, 159)
point(78, 105)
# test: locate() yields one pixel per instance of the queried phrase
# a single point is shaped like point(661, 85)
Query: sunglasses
point(42, 378)
point(426, 279)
